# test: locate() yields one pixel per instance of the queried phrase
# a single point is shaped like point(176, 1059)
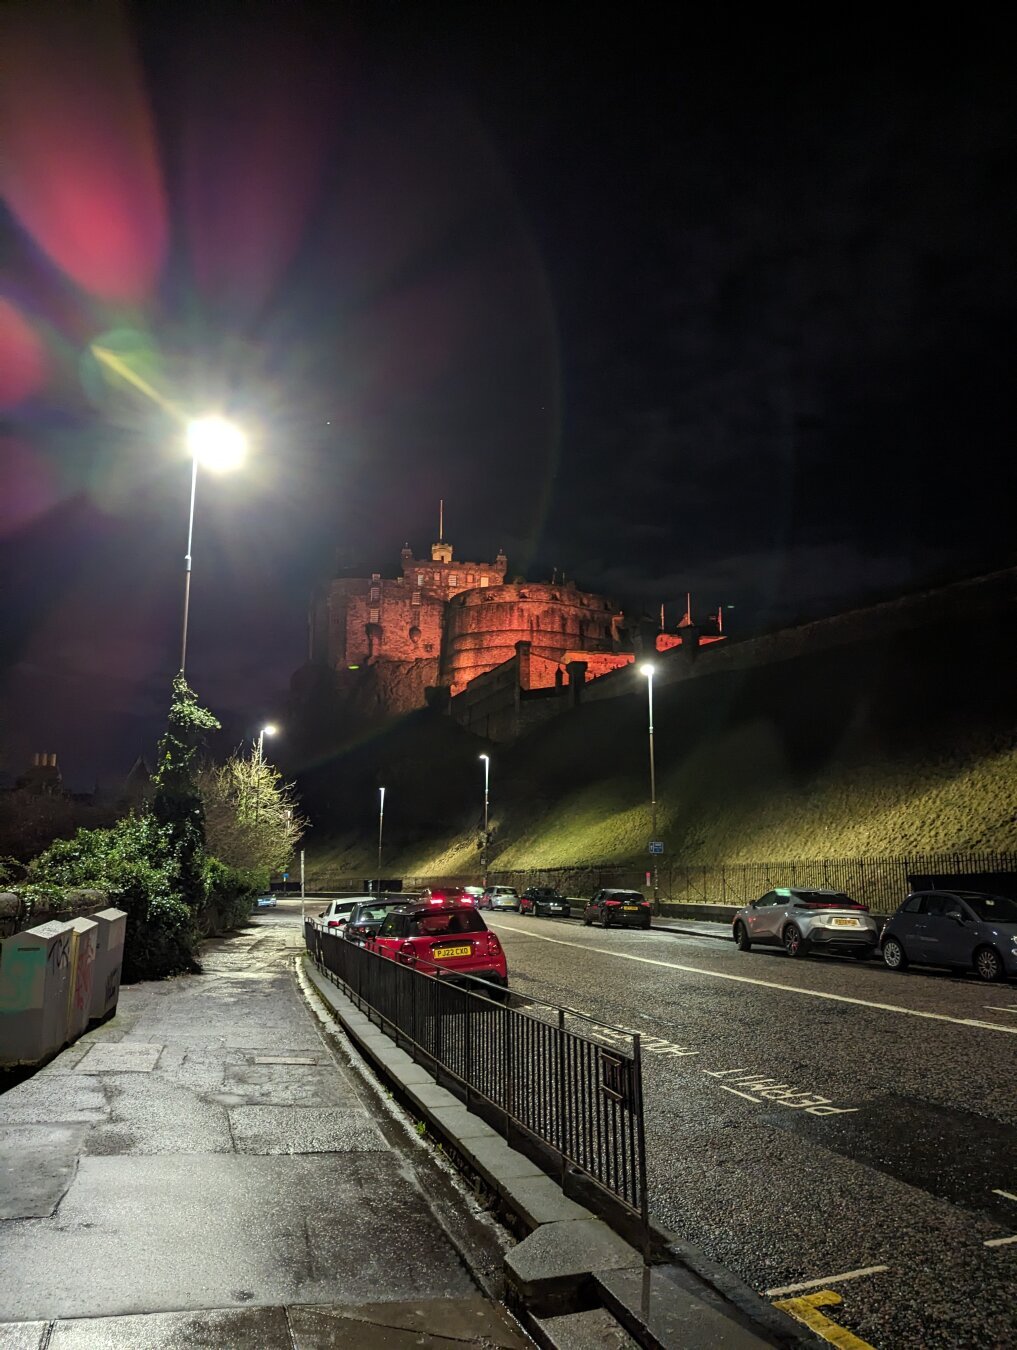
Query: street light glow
point(270, 730)
point(487, 757)
point(216, 444)
point(646, 670)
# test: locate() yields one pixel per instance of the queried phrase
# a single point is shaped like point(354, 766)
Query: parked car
point(473, 894)
point(804, 919)
point(446, 895)
point(336, 914)
point(544, 900)
point(265, 902)
point(449, 941)
point(629, 909)
point(367, 917)
point(499, 897)
point(963, 929)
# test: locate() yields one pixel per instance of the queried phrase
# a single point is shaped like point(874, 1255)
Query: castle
point(391, 644)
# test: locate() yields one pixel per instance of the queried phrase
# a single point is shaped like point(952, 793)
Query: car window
point(997, 908)
point(394, 926)
point(438, 925)
point(770, 898)
point(914, 905)
point(938, 906)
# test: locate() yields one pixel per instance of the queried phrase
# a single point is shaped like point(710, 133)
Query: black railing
point(561, 1087)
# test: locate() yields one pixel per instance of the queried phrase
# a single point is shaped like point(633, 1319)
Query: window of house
point(415, 600)
point(375, 595)
point(420, 578)
point(373, 616)
point(453, 578)
point(484, 580)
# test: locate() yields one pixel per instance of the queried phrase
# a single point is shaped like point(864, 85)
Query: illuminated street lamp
point(648, 671)
point(219, 446)
point(487, 785)
point(269, 730)
point(381, 826)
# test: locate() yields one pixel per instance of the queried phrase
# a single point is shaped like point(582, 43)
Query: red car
point(446, 940)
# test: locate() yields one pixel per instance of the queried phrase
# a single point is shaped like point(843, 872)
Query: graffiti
point(83, 977)
point(59, 957)
point(112, 985)
point(21, 972)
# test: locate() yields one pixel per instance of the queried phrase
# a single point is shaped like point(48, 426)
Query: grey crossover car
point(802, 920)
point(967, 930)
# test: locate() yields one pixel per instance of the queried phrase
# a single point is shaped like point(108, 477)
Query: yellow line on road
point(769, 984)
point(806, 1309)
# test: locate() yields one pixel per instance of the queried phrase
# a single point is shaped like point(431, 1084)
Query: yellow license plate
point(631, 909)
point(439, 952)
point(845, 923)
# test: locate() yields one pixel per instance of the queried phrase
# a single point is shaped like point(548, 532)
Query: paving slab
point(212, 1329)
point(23, 1335)
point(593, 1330)
point(48, 1100)
point(426, 1322)
point(37, 1164)
point(675, 1313)
point(121, 1057)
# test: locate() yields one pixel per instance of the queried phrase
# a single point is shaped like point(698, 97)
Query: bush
point(134, 864)
point(229, 892)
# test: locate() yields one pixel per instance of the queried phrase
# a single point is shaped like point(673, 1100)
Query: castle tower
point(441, 552)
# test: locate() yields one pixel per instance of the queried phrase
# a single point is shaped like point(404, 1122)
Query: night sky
point(716, 299)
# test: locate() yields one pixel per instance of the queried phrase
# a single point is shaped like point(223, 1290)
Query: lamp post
point(269, 730)
point(487, 799)
point(647, 670)
point(219, 446)
point(381, 826)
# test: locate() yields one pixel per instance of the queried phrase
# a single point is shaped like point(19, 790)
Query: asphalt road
point(807, 1120)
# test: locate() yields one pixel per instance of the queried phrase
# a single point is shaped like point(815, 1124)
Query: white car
point(804, 919)
point(499, 897)
point(336, 916)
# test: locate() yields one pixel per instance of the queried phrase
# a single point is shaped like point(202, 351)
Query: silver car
point(500, 897)
point(803, 920)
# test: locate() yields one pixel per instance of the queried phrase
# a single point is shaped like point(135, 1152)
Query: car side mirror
point(956, 914)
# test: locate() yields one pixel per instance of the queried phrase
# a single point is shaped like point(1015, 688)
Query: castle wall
point(483, 626)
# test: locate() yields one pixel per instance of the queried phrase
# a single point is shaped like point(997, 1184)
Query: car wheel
point(893, 955)
point(741, 937)
point(988, 964)
point(645, 925)
point(794, 943)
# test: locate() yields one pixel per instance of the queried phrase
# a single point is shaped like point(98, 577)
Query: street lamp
point(381, 825)
point(487, 798)
point(269, 730)
point(220, 446)
point(648, 671)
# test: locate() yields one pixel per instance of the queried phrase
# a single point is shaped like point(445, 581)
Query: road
point(813, 1119)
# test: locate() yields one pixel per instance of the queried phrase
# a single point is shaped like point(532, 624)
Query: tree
point(177, 802)
point(250, 814)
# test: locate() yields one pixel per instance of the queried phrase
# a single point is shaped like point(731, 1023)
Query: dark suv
point(629, 909)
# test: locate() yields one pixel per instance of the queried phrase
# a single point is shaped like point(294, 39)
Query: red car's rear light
point(612, 902)
point(830, 904)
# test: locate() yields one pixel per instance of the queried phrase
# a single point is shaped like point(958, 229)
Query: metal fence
point(562, 1088)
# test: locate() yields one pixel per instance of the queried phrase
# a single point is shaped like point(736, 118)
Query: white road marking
point(770, 984)
point(998, 1007)
point(725, 1087)
point(1000, 1242)
point(829, 1279)
point(1007, 1195)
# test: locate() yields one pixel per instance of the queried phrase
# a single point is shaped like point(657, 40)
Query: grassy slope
point(901, 744)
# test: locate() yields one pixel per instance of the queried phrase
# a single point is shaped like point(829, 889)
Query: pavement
point(824, 1128)
point(206, 1170)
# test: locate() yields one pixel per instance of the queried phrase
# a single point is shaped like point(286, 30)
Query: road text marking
point(828, 1279)
point(1000, 1242)
point(770, 984)
point(1007, 1195)
point(740, 1094)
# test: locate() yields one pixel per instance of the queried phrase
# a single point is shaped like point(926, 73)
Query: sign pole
point(301, 885)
